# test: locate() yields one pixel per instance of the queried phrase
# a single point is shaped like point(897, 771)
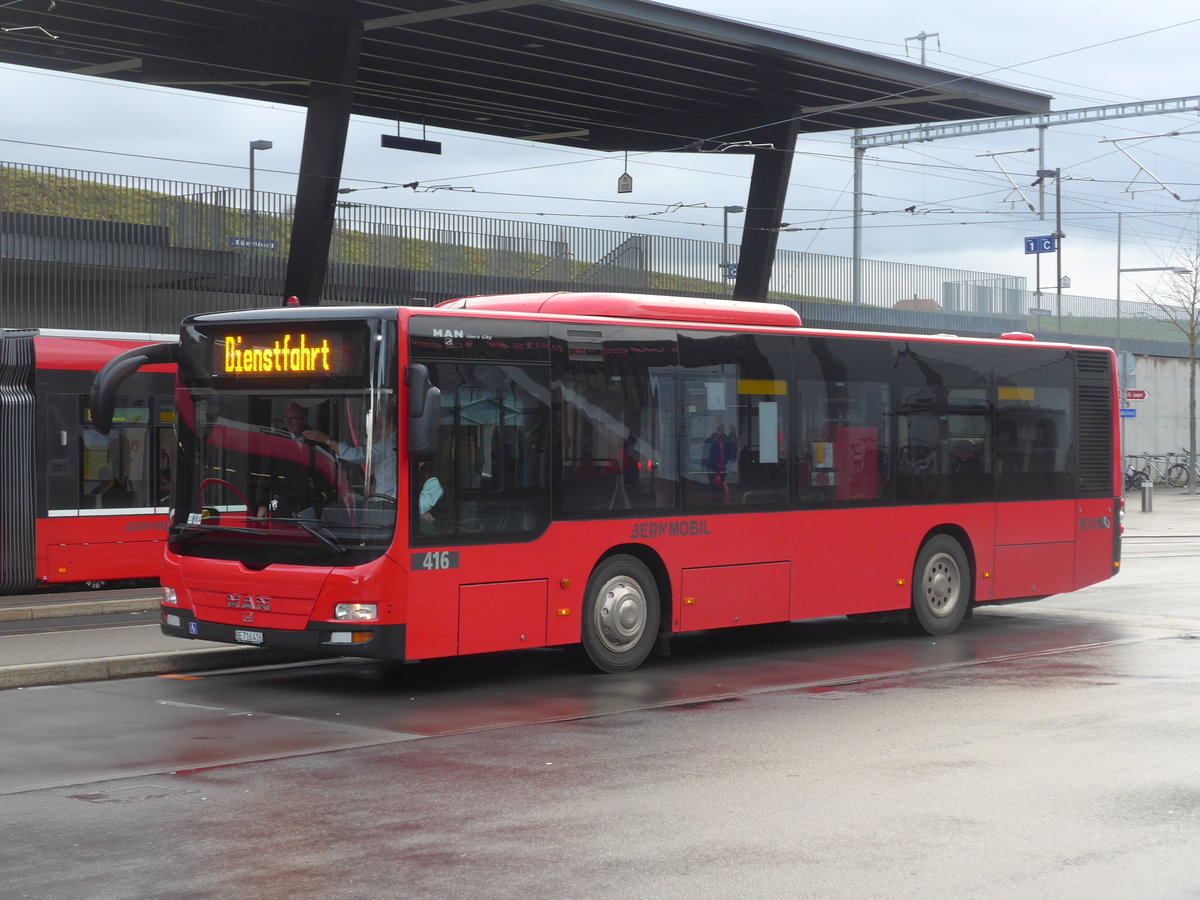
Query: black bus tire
point(941, 587)
point(621, 613)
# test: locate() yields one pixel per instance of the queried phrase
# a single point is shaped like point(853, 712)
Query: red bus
point(79, 507)
point(602, 471)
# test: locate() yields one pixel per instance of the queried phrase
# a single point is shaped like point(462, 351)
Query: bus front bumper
point(326, 638)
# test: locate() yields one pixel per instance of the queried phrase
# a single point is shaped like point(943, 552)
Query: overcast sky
point(966, 214)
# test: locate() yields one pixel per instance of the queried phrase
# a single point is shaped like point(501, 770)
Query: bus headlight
point(356, 612)
point(169, 597)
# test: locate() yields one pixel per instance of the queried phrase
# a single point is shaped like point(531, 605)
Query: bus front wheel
point(620, 615)
point(941, 587)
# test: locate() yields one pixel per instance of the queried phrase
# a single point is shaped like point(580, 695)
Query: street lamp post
point(1056, 174)
point(725, 246)
point(255, 145)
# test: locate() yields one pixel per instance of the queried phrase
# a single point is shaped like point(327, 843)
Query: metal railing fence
point(92, 250)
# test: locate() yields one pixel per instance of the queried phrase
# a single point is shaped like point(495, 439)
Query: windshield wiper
point(181, 534)
point(318, 531)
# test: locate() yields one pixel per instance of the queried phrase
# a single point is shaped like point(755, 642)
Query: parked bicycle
point(1179, 474)
point(1157, 465)
point(1134, 477)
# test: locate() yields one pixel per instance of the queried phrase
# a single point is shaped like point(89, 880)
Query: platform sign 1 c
point(1042, 243)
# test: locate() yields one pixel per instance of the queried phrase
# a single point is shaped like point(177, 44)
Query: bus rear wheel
point(941, 587)
point(620, 615)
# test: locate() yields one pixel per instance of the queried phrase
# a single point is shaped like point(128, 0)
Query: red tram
point(77, 507)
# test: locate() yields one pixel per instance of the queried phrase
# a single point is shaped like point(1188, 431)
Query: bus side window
point(493, 459)
point(845, 407)
point(735, 392)
point(617, 425)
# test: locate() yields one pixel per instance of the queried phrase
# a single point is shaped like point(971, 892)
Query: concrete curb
point(76, 608)
point(41, 674)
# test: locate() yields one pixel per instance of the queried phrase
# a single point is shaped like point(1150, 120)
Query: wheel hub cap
point(621, 614)
point(941, 585)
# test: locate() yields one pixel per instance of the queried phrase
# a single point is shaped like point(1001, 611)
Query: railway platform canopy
point(606, 75)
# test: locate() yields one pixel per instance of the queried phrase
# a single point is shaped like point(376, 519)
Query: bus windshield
point(288, 443)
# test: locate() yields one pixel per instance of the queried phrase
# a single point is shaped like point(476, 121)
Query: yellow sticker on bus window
point(762, 386)
point(1016, 393)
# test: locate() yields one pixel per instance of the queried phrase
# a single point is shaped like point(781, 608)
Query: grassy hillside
point(207, 219)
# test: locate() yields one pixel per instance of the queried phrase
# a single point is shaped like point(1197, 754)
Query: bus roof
point(636, 306)
point(661, 309)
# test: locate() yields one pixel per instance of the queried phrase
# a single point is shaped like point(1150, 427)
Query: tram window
point(118, 470)
point(165, 443)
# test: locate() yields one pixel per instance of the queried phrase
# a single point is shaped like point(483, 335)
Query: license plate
point(248, 637)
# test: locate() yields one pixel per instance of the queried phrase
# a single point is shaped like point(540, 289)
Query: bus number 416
point(444, 559)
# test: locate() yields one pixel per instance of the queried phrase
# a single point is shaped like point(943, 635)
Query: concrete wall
point(1161, 421)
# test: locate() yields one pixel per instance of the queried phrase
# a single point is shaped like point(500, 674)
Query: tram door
point(61, 444)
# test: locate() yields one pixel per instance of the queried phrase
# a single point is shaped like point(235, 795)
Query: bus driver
point(383, 459)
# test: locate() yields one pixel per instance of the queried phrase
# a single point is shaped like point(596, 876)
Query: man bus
point(898, 477)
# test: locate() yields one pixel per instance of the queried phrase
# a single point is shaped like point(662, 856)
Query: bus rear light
point(356, 612)
point(169, 596)
point(350, 637)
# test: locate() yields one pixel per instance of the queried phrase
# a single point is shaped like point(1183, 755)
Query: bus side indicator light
point(987, 574)
point(899, 582)
point(689, 601)
point(563, 612)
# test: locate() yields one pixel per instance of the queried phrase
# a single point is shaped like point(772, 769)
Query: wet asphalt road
point(1048, 749)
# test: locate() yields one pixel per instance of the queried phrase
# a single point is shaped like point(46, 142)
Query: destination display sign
point(287, 353)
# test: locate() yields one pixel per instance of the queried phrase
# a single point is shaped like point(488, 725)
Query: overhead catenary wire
point(987, 217)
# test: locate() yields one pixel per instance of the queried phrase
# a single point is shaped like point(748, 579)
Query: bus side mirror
point(424, 413)
point(103, 399)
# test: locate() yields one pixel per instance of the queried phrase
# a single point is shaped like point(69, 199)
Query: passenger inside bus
point(721, 452)
point(428, 499)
